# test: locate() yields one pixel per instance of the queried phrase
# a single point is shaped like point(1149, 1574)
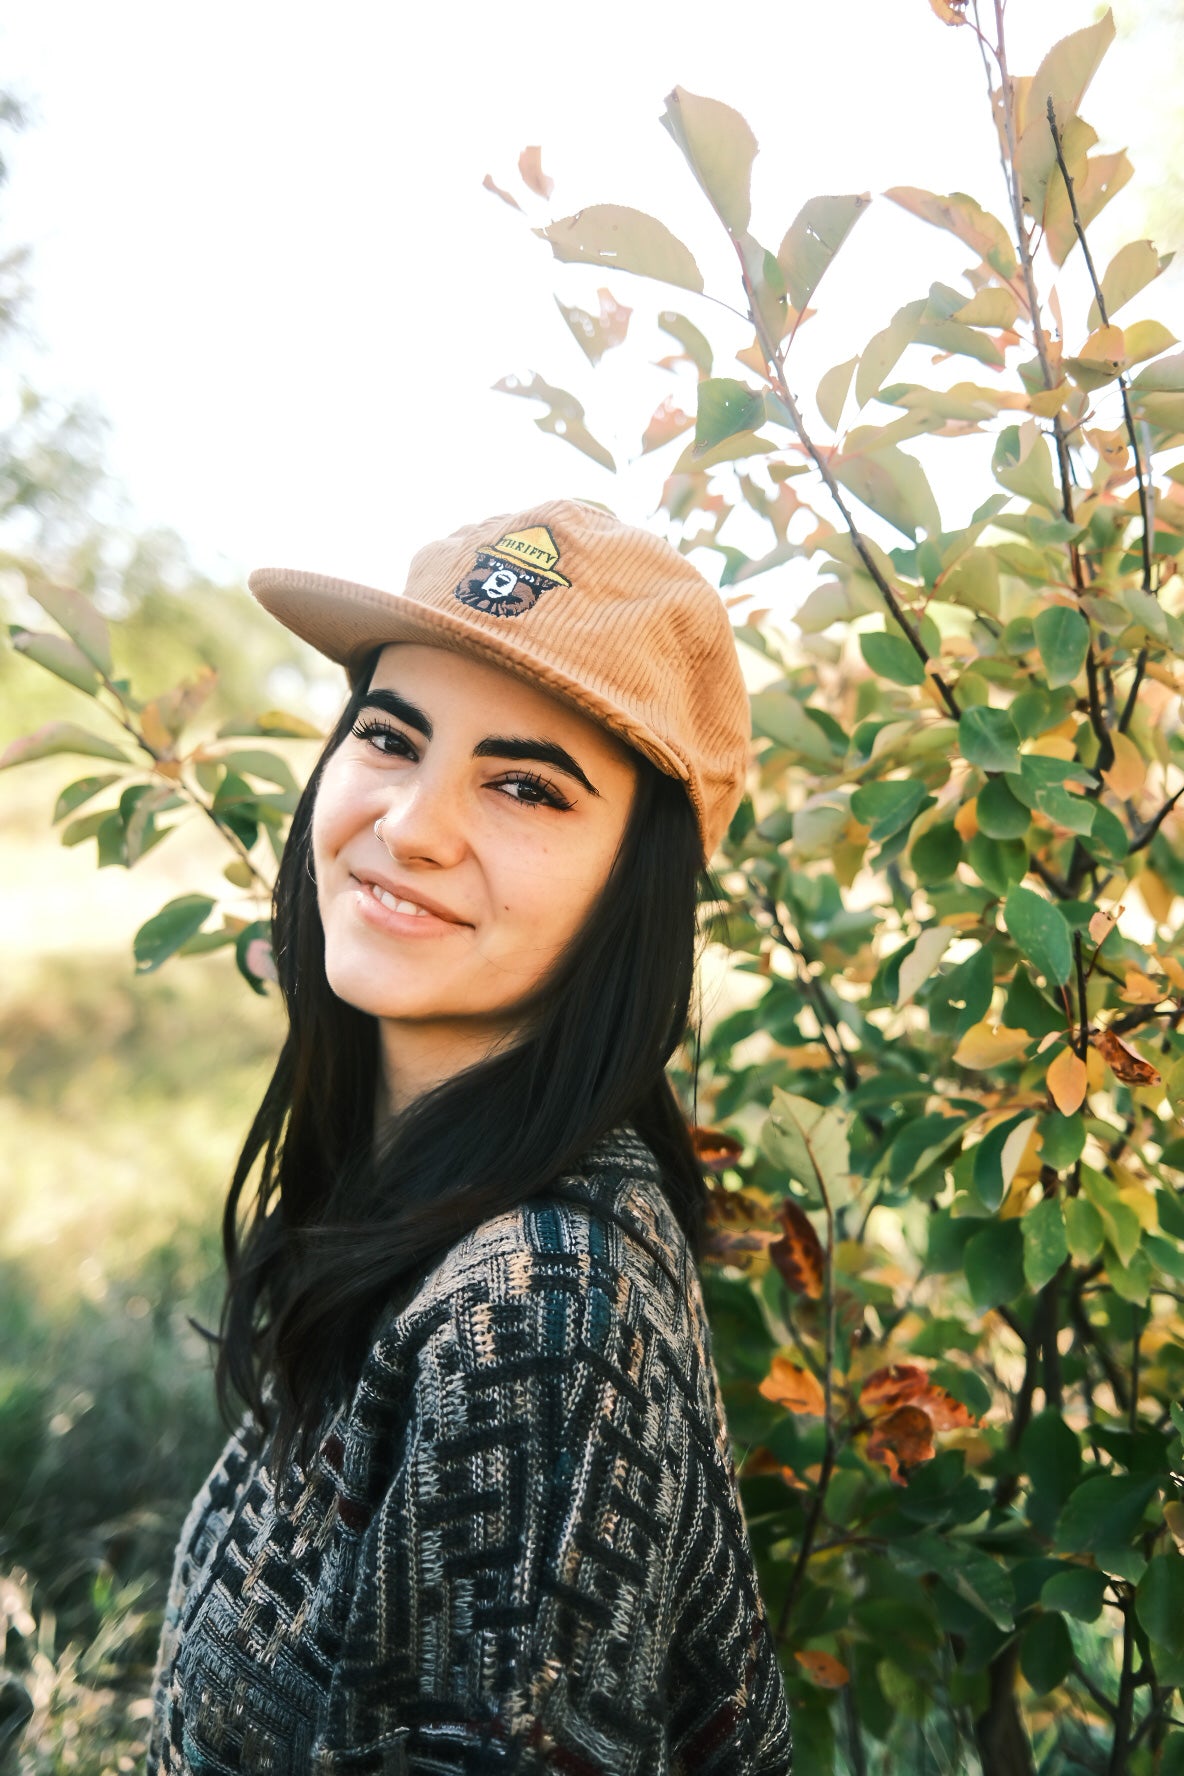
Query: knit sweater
point(520, 1548)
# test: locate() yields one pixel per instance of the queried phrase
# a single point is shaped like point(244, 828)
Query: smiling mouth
point(398, 906)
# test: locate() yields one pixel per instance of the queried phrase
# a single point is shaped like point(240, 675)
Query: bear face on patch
point(502, 590)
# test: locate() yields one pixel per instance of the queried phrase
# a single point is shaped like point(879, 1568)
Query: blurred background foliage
point(918, 1419)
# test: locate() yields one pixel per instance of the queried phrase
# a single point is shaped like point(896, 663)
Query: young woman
point(481, 1514)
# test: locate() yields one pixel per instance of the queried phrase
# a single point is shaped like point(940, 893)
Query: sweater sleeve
point(512, 1603)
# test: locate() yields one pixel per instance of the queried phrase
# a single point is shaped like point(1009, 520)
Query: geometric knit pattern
point(520, 1548)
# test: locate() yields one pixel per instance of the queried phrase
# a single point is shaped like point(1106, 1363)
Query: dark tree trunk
point(999, 1734)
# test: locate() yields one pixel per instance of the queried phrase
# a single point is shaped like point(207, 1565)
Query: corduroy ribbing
point(616, 622)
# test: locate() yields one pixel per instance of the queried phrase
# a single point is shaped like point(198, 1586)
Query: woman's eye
point(533, 792)
point(379, 733)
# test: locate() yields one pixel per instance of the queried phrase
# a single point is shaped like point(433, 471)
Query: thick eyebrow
point(400, 709)
point(543, 752)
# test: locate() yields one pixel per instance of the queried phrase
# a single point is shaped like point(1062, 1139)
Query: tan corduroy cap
point(606, 616)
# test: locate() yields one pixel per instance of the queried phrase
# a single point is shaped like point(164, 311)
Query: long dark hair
point(341, 1224)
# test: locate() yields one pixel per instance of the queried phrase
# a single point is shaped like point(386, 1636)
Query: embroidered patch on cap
point(512, 574)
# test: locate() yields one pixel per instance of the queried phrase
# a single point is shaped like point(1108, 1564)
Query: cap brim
point(345, 621)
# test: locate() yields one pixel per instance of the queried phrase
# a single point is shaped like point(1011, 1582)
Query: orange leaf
point(530, 165)
point(1140, 989)
point(798, 1253)
point(1102, 923)
point(714, 1150)
point(1067, 1081)
point(966, 820)
point(794, 1388)
point(901, 1440)
point(1125, 1062)
point(824, 1669)
point(489, 185)
point(668, 421)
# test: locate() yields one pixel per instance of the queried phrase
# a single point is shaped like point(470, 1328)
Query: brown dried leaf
point(798, 1253)
point(901, 1440)
point(530, 165)
point(794, 1388)
point(897, 1385)
point(823, 1669)
point(1125, 1062)
point(715, 1151)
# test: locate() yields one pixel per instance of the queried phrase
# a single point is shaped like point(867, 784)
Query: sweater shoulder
point(606, 1226)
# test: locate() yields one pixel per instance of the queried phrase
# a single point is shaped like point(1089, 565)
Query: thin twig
point(826, 1467)
point(1124, 385)
point(1148, 832)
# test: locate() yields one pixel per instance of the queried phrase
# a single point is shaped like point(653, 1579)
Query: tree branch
point(1124, 385)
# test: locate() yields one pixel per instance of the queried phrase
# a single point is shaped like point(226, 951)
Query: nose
point(423, 823)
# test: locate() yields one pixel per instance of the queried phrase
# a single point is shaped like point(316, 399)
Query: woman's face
point(502, 810)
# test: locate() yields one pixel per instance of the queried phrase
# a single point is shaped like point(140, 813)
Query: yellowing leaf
point(1067, 1081)
point(986, 1045)
point(1102, 923)
point(1173, 971)
point(622, 239)
point(966, 820)
point(1157, 897)
point(921, 961)
point(1128, 773)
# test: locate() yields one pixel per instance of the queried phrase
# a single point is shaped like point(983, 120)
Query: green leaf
point(1023, 465)
point(979, 1580)
point(78, 617)
point(832, 392)
point(987, 738)
point(962, 216)
point(167, 930)
point(1051, 1456)
point(1061, 1140)
point(725, 407)
point(1046, 1653)
point(719, 148)
point(1026, 1008)
point(274, 724)
point(1083, 1230)
point(1104, 1511)
point(1079, 1591)
point(693, 343)
point(810, 1142)
point(267, 765)
point(994, 1263)
point(780, 717)
point(893, 658)
point(1062, 636)
point(1000, 816)
point(55, 737)
point(889, 807)
point(1040, 932)
point(997, 1158)
point(812, 240)
point(58, 656)
point(564, 419)
point(1132, 268)
point(1123, 1228)
point(883, 350)
point(890, 482)
point(1045, 1244)
point(936, 853)
point(75, 794)
point(621, 239)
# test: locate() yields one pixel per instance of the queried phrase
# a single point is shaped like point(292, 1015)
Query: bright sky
point(261, 244)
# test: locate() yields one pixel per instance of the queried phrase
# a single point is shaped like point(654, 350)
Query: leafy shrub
point(946, 1268)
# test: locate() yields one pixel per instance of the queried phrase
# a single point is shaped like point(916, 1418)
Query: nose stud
point(378, 828)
